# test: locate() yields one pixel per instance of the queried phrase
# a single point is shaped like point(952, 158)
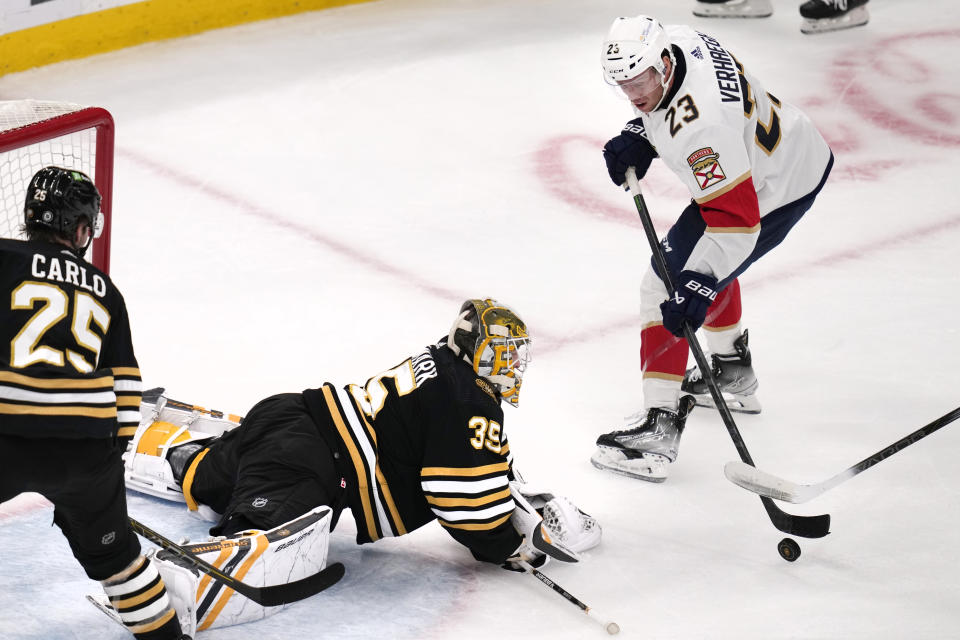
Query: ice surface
point(310, 199)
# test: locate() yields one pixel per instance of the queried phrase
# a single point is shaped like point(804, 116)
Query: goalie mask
point(491, 338)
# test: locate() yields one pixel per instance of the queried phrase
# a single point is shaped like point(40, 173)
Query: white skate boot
point(734, 375)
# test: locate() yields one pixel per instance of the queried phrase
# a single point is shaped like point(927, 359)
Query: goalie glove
point(551, 526)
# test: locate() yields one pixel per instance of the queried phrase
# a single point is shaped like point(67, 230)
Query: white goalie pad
point(553, 524)
point(194, 417)
point(164, 424)
point(289, 552)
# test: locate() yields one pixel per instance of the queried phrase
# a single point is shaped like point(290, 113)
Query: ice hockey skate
point(733, 9)
point(734, 375)
point(821, 16)
point(648, 444)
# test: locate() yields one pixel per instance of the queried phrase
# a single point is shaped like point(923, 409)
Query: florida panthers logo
point(706, 167)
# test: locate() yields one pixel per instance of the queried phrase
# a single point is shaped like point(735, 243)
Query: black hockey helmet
point(58, 198)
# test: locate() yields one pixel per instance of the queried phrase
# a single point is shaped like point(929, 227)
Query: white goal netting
point(35, 134)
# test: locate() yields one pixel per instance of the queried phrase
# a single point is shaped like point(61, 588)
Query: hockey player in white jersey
point(753, 164)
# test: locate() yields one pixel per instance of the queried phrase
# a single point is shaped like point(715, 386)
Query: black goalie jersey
point(67, 367)
point(419, 442)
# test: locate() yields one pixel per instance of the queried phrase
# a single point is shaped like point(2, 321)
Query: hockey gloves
point(692, 296)
point(629, 149)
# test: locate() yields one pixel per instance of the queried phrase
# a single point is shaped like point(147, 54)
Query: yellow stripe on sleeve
point(478, 526)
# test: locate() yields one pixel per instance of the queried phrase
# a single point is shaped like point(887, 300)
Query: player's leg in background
point(821, 16)
point(731, 361)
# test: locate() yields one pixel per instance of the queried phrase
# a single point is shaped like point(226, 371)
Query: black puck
point(789, 549)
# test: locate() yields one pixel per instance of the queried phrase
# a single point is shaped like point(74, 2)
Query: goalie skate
point(823, 16)
point(734, 9)
point(734, 376)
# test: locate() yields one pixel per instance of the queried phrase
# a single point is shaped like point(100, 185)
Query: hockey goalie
point(421, 441)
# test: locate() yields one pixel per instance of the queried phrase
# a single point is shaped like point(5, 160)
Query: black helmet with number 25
point(58, 198)
point(492, 339)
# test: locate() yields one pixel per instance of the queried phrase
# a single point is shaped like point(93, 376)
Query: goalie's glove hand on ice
point(691, 297)
point(551, 526)
point(629, 149)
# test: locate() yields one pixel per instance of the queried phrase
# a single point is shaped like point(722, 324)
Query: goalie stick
point(803, 526)
point(767, 484)
point(610, 626)
point(270, 596)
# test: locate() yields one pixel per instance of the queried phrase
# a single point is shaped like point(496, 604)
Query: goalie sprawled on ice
point(419, 442)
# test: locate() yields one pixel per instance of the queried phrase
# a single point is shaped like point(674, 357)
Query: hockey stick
point(271, 596)
point(610, 626)
point(767, 484)
point(803, 526)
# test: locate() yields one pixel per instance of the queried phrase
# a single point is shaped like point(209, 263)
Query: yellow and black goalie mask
point(492, 338)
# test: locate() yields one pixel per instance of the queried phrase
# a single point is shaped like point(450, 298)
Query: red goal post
point(35, 134)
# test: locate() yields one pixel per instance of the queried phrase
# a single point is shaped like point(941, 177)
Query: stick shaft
point(569, 597)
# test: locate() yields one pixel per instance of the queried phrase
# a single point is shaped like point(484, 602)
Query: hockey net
point(35, 134)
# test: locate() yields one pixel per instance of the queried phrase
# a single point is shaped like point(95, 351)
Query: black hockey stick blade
point(802, 526)
point(270, 596)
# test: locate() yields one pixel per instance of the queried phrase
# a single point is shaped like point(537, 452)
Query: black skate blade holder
point(802, 526)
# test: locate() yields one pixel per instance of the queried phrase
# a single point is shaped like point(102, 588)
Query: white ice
point(311, 198)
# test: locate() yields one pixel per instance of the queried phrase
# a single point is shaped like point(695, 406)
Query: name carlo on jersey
point(53, 268)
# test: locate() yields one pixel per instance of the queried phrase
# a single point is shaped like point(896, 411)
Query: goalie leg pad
point(147, 467)
point(156, 406)
point(289, 552)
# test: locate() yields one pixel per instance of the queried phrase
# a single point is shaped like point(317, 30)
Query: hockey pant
point(272, 468)
point(83, 478)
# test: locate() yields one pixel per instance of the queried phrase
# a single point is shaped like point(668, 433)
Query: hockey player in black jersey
point(70, 393)
point(421, 441)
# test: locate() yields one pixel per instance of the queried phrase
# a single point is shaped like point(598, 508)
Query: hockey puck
point(789, 549)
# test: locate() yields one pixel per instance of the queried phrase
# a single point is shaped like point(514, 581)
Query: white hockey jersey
point(741, 151)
